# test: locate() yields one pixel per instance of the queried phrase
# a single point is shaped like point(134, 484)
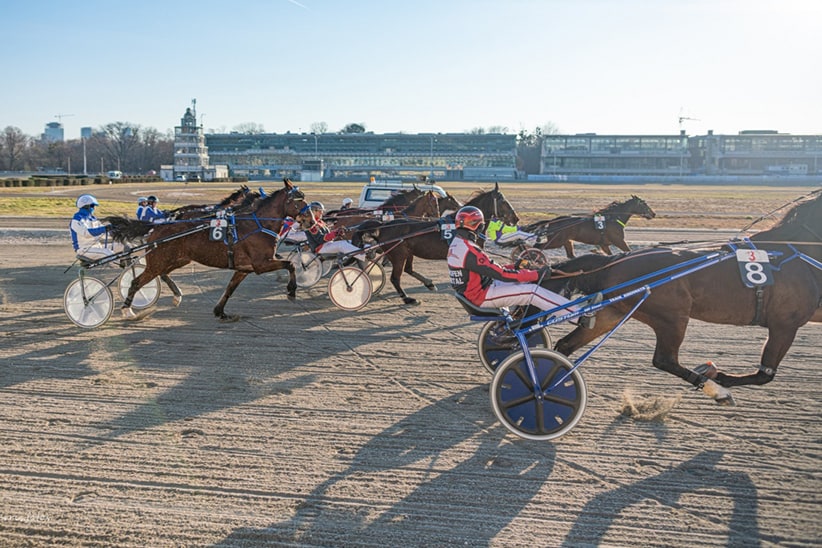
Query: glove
point(527, 275)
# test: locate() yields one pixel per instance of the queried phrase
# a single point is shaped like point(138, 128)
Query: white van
point(115, 174)
point(376, 192)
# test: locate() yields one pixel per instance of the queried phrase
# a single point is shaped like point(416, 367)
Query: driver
point(87, 231)
point(488, 285)
point(321, 239)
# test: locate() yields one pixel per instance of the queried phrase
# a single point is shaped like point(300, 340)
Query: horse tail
point(125, 230)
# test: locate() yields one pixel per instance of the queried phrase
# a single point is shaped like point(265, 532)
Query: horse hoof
point(177, 300)
point(720, 394)
point(431, 287)
point(128, 313)
point(292, 297)
point(410, 301)
point(229, 319)
point(708, 369)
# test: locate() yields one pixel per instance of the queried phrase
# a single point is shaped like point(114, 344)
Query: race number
point(217, 231)
point(447, 231)
point(754, 267)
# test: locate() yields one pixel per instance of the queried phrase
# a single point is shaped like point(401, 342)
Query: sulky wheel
point(349, 288)
point(147, 295)
point(496, 342)
point(88, 302)
point(307, 267)
point(376, 272)
point(530, 257)
point(547, 413)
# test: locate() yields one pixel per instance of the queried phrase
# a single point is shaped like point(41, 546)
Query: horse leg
point(607, 318)
point(236, 279)
point(670, 332)
point(409, 269)
point(398, 265)
point(172, 285)
point(569, 249)
point(776, 347)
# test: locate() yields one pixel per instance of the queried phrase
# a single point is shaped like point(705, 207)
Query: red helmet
point(469, 217)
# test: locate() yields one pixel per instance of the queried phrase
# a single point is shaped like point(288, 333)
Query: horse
point(605, 231)
point(424, 206)
point(190, 211)
point(248, 247)
point(448, 205)
point(403, 240)
point(714, 294)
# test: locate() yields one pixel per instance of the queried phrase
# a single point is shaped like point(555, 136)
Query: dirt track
point(301, 424)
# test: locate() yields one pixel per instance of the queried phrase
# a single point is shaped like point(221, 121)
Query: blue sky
point(603, 66)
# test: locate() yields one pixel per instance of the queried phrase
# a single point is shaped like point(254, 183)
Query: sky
point(636, 67)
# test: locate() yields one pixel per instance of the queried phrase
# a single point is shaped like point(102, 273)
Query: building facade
point(191, 159)
point(749, 154)
point(347, 156)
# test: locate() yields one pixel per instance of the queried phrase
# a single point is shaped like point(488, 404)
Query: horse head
point(492, 203)
point(639, 207)
point(426, 206)
point(448, 204)
point(285, 202)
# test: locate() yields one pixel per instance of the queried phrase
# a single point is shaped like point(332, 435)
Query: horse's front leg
point(236, 279)
point(569, 249)
point(776, 347)
point(409, 269)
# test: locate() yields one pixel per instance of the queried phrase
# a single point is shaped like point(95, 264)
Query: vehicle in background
point(115, 175)
point(374, 193)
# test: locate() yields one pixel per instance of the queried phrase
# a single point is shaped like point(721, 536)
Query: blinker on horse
point(715, 294)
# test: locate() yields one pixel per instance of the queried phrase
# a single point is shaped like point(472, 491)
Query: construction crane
point(61, 116)
point(682, 118)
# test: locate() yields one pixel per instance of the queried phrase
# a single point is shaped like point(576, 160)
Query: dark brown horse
point(604, 229)
point(715, 294)
point(247, 248)
point(403, 240)
point(424, 206)
point(396, 202)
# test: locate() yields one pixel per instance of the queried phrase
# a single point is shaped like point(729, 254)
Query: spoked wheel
point(376, 272)
point(147, 295)
point(88, 302)
point(349, 288)
point(328, 265)
point(544, 414)
point(530, 257)
point(307, 267)
point(496, 342)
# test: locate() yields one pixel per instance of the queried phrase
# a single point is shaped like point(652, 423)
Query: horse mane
point(401, 195)
point(802, 223)
point(124, 230)
point(616, 205)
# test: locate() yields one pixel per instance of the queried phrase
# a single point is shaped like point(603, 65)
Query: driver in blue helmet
point(321, 238)
point(88, 235)
point(151, 213)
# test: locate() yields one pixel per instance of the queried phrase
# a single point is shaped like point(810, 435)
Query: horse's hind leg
point(409, 269)
point(569, 249)
point(172, 285)
point(398, 264)
point(776, 347)
point(236, 279)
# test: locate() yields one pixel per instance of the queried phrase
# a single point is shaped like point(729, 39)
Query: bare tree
point(250, 128)
point(319, 128)
point(13, 144)
point(121, 142)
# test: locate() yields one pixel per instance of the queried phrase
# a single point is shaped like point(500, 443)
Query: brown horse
point(715, 294)
point(248, 247)
point(396, 202)
point(402, 240)
point(424, 206)
point(605, 231)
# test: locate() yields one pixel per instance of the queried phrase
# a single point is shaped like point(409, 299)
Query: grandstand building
point(748, 156)
point(351, 156)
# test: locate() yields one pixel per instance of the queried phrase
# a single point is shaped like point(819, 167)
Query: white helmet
point(142, 199)
point(86, 200)
point(347, 201)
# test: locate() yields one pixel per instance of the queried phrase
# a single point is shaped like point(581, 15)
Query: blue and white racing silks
point(86, 230)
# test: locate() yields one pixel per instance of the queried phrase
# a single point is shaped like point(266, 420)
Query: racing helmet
point(87, 200)
point(142, 199)
point(347, 201)
point(152, 199)
point(317, 206)
point(469, 217)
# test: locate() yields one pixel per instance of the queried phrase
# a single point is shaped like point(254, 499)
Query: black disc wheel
point(496, 342)
point(542, 406)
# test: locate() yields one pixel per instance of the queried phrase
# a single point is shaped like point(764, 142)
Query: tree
point(121, 142)
point(529, 147)
point(319, 128)
point(249, 128)
point(13, 145)
point(354, 128)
